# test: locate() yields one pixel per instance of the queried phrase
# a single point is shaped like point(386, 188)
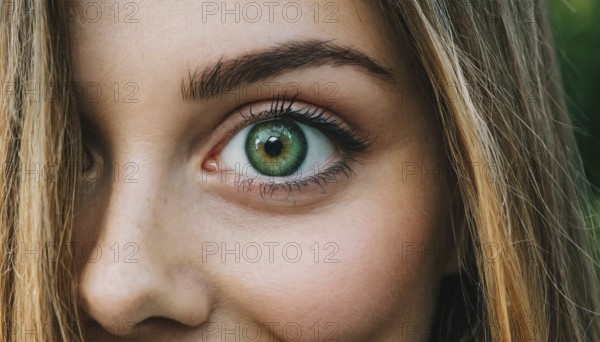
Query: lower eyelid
point(313, 171)
point(305, 190)
point(308, 190)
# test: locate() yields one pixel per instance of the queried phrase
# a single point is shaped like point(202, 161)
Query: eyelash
point(348, 140)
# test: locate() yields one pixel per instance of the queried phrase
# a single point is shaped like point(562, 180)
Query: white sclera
point(319, 152)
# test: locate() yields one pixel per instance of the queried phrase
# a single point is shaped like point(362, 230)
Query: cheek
point(361, 272)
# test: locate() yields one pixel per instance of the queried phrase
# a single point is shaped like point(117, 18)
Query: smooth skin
point(170, 250)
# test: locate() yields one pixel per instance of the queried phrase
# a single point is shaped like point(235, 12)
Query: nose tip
point(117, 301)
point(120, 296)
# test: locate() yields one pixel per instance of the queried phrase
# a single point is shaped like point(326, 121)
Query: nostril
point(95, 331)
point(164, 323)
point(109, 317)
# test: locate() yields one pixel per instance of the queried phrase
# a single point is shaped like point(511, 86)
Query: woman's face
point(255, 171)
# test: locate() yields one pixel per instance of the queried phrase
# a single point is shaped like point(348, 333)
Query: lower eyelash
point(290, 188)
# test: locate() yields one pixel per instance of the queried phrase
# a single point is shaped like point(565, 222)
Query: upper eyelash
point(348, 138)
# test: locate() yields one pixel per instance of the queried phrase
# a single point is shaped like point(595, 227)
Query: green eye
point(276, 147)
point(282, 149)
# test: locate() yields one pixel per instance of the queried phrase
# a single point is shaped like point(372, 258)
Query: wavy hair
point(491, 71)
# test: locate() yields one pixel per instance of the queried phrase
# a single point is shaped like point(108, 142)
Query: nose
point(132, 272)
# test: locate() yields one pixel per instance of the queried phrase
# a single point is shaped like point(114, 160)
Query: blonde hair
point(493, 76)
point(40, 151)
point(491, 66)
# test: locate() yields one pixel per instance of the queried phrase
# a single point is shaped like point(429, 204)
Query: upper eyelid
point(272, 114)
point(349, 141)
point(292, 106)
point(231, 124)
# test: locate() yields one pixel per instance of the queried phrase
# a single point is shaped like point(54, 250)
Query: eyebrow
point(226, 75)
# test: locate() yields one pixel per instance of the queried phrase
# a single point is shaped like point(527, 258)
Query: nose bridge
point(132, 203)
point(132, 211)
point(139, 174)
point(128, 279)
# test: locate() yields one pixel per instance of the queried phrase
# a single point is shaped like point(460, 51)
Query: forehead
point(133, 37)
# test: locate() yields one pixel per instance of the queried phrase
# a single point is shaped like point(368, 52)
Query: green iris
point(276, 147)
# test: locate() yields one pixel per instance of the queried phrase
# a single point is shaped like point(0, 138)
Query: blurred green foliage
point(577, 31)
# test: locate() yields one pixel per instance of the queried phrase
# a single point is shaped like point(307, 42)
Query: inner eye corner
point(210, 163)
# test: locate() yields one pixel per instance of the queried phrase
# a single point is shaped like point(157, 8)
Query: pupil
point(273, 146)
point(276, 147)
